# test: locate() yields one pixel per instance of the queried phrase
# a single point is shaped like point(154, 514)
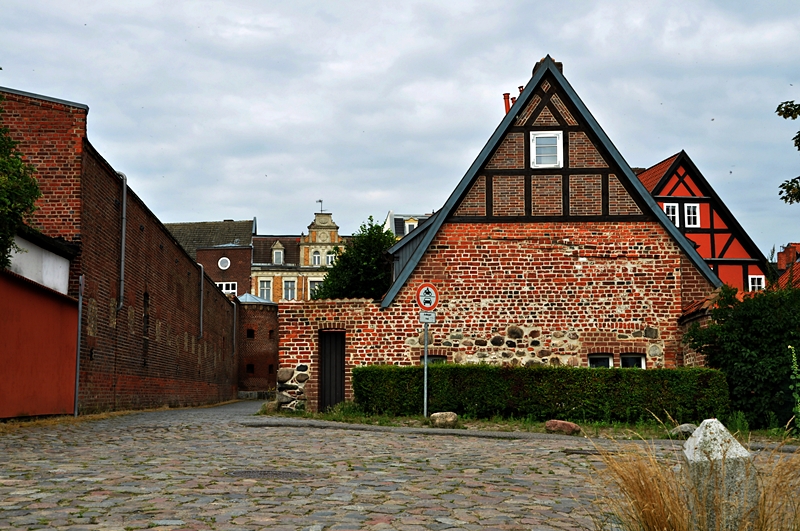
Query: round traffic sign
point(427, 296)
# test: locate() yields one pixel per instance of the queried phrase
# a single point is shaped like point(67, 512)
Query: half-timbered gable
point(690, 202)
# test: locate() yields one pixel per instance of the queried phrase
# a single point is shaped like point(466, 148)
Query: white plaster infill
point(40, 265)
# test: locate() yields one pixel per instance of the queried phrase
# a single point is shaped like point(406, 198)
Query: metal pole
point(78, 348)
point(425, 386)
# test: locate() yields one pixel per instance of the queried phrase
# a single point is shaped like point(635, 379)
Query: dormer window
point(277, 256)
point(547, 149)
point(410, 227)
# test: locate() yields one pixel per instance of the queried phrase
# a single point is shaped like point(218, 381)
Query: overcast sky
point(243, 109)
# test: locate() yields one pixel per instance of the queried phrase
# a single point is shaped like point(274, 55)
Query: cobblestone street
point(222, 468)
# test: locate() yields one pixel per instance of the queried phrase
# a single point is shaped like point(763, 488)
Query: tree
point(748, 340)
point(362, 269)
point(790, 189)
point(19, 191)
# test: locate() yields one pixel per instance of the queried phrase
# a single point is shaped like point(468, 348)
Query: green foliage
point(790, 189)
point(362, 269)
point(543, 393)
point(747, 340)
point(19, 191)
point(795, 387)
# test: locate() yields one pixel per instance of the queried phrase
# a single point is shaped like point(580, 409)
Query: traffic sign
point(427, 317)
point(427, 296)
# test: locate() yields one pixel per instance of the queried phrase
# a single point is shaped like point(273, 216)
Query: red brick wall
point(694, 285)
point(517, 294)
point(474, 204)
point(620, 203)
point(259, 351)
point(546, 198)
point(239, 270)
point(148, 353)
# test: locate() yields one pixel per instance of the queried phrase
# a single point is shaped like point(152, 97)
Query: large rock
point(723, 475)
point(683, 431)
point(283, 398)
point(447, 419)
point(285, 374)
point(561, 426)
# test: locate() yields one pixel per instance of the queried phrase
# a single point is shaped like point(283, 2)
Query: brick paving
point(221, 468)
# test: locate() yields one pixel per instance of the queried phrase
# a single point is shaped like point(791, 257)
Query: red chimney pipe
point(513, 101)
point(521, 88)
point(505, 100)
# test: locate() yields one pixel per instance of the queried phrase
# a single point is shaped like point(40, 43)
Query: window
point(224, 263)
point(671, 209)
point(597, 361)
point(692, 215)
point(227, 287)
point(316, 258)
point(756, 282)
point(329, 258)
point(632, 361)
point(251, 333)
point(289, 287)
point(277, 256)
point(547, 150)
point(312, 287)
point(265, 289)
point(410, 227)
point(251, 369)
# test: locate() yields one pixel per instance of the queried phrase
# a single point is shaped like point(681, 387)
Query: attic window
point(224, 263)
point(277, 256)
point(671, 210)
point(547, 149)
point(692, 215)
point(410, 227)
point(756, 282)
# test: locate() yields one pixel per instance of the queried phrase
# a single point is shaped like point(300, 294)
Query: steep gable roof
point(203, 234)
point(410, 250)
point(654, 174)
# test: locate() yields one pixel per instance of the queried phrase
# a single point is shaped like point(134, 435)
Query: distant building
point(402, 224)
point(290, 267)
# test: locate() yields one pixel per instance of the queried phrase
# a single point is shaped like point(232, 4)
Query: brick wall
point(519, 294)
point(474, 204)
point(510, 154)
point(583, 153)
point(508, 195)
point(586, 195)
point(620, 203)
point(150, 352)
point(258, 346)
point(546, 196)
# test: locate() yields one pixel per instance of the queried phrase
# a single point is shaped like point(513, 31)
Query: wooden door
point(331, 368)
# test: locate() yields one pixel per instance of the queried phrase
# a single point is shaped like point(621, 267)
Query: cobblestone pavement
point(208, 469)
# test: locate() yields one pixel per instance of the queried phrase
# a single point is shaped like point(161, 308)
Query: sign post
point(428, 300)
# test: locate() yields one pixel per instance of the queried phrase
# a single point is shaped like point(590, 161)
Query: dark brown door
point(331, 368)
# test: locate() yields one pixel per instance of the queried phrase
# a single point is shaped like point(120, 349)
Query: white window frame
point(674, 215)
point(294, 289)
point(758, 280)
point(269, 288)
point(410, 227)
point(277, 256)
point(640, 357)
point(330, 258)
point(224, 260)
point(609, 357)
point(227, 287)
point(559, 135)
point(695, 223)
point(316, 258)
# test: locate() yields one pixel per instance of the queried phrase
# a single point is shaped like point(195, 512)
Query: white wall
point(40, 265)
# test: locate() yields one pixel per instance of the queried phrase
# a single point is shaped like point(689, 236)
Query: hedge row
point(542, 393)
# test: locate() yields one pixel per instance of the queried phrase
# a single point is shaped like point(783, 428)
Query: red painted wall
point(39, 329)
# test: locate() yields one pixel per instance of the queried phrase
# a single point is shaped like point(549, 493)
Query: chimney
point(787, 256)
point(506, 95)
point(513, 101)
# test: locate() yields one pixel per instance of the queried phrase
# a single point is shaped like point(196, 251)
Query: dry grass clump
point(642, 491)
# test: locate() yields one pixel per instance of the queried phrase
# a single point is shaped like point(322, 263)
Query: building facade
point(699, 213)
point(549, 251)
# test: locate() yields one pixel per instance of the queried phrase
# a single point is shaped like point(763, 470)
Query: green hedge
point(542, 393)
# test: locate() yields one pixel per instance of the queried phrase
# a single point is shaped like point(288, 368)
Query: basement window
point(601, 361)
point(547, 149)
point(632, 361)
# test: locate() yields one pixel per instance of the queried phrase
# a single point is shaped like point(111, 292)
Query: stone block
point(446, 419)
point(285, 374)
point(514, 332)
point(561, 426)
point(723, 474)
point(683, 431)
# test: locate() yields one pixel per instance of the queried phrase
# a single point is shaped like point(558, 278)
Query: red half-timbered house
point(689, 201)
